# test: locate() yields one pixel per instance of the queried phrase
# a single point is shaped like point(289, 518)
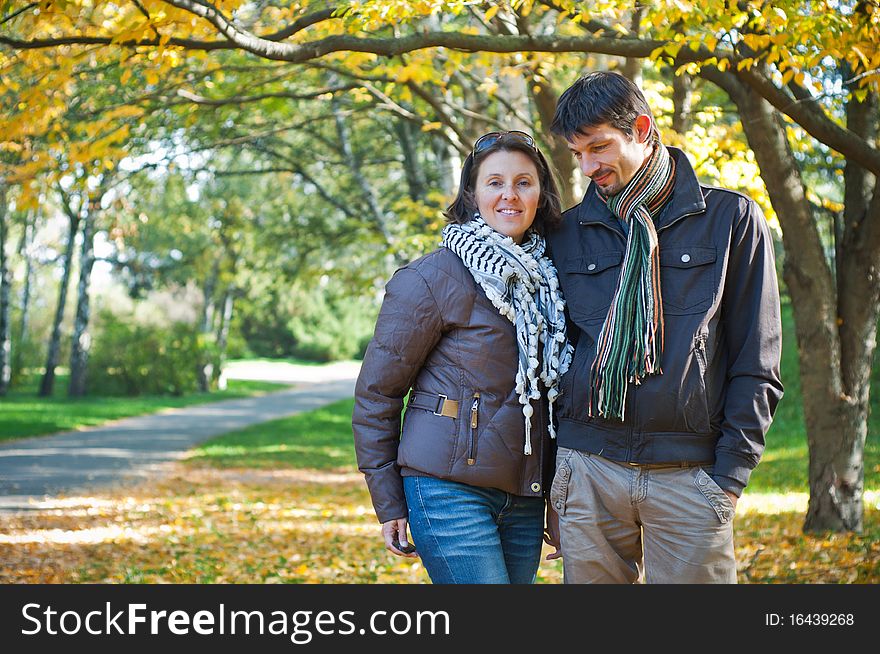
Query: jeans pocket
point(559, 487)
point(716, 497)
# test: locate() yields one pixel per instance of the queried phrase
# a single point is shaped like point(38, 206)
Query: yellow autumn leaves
point(200, 525)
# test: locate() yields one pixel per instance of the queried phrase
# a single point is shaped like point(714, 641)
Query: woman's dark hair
point(596, 98)
point(464, 206)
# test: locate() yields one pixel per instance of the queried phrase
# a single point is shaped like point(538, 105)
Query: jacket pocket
point(687, 276)
point(428, 441)
point(696, 400)
point(589, 283)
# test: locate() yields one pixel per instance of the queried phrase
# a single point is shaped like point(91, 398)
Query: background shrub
point(133, 359)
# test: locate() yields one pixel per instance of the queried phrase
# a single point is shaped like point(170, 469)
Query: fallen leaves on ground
point(309, 526)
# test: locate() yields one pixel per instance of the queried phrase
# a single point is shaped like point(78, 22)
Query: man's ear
point(643, 126)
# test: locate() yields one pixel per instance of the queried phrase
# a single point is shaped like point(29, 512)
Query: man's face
point(611, 157)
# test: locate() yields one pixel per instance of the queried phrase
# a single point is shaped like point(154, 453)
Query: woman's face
point(508, 190)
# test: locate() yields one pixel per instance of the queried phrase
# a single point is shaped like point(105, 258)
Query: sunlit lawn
point(22, 413)
point(319, 439)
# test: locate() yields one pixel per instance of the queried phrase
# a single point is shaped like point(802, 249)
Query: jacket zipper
point(701, 353)
point(475, 407)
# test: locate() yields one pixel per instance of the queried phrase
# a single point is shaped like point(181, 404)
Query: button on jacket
point(720, 383)
point(439, 335)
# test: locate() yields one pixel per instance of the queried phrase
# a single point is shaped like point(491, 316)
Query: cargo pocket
point(716, 497)
point(559, 487)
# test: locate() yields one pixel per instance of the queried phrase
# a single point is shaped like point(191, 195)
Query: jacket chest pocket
point(687, 279)
point(589, 283)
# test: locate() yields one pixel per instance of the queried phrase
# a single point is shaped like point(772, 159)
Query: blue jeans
point(471, 535)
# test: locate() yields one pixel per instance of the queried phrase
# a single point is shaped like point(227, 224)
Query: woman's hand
point(396, 541)
point(551, 533)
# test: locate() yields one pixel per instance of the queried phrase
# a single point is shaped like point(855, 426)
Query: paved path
point(130, 449)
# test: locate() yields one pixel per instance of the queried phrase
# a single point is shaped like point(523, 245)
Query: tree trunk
point(682, 91)
point(81, 341)
point(632, 66)
point(47, 385)
point(835, 420)
point(568, 175)
point(205, 372)
point(24, 251)
point(5, 294)
point(449, 164)
point(223, 337)
point(837, 466)
point(415, 179)
point(375, 212)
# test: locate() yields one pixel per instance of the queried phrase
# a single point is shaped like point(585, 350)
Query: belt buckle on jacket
point(441, 401)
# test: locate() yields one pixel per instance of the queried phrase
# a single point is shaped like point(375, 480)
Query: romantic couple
point(601, 379)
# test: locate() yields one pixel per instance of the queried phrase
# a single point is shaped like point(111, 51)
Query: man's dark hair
point(463, 207)
point(596, 98)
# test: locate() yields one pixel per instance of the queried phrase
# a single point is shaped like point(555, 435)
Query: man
point(674, 306)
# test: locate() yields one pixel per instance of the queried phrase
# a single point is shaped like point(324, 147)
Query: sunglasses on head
point(490, 139)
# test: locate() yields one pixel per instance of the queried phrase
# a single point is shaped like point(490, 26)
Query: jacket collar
point(687, 198)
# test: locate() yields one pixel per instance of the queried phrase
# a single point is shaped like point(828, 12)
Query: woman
point(476, 331)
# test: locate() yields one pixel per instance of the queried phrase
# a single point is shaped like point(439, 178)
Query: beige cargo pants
point(625, 524)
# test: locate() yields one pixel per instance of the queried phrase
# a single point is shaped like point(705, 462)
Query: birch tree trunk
point(223, 336)
point(81, 340)
point(205, 372)
point(5, 294)
point(24, 251)
point(47, 385)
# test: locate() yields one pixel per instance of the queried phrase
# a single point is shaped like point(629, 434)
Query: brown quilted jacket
point(439, 335)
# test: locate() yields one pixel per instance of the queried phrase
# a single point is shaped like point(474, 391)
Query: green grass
point(317, 439)
point(23, 414)
point(323, 438)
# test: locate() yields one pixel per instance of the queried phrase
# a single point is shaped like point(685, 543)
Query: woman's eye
point(599, 148)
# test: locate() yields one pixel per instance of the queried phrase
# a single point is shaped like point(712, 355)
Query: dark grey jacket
point(720, 383)
point(437, 333)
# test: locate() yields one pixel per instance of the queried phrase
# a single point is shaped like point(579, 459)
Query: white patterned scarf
point(522, 284)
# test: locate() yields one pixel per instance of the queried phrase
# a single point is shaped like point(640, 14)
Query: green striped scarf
point(630, 345)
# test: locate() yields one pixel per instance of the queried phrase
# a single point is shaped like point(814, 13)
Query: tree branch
point(218, 102)
point(387, 47)
point(8, 18)
point(307, 21)
point(146, 13)
point(814, 121)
